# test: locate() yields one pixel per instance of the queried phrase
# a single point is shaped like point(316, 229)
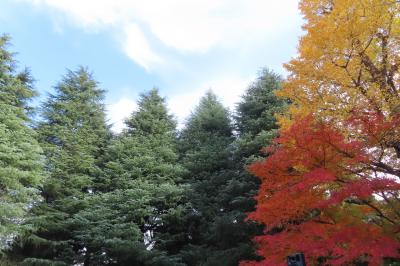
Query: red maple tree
point(333, 198)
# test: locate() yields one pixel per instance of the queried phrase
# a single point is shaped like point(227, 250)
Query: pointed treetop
point(210, 116)
point(152, 116)
point(79, 84)
point(15, 88)
point(258, 106)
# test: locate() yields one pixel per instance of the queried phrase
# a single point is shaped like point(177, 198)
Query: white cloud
point(118, 111)
point(194, 26)
point(137, 47)
point(234, 36)
point(87, 13)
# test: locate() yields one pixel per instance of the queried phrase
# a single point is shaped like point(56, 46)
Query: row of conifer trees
point(75, 193)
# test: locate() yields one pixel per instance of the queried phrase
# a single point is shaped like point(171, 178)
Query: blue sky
point(183, 47)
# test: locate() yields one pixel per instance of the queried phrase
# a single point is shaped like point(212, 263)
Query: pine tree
point(73, 134)
point(21, 161)
point(135, 221)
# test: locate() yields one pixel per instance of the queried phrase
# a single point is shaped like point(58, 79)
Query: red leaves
point(362, 189)
point(318, 196)
point(376, 128)
point(331, 244)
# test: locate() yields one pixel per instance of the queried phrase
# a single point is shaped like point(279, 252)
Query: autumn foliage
point(327, 197)
point(330, 185)
point(348, 60)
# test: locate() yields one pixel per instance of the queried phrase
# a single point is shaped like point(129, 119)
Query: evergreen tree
point(125, 227)
point(136, 220)
point(73, 134)
point(205, 142)
point(222, 189)
point(21, 162)
point(206, 137)
point(146, 150)
point(256, 127)
point(255, 114)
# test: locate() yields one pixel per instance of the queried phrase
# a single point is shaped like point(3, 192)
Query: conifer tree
point(255, 114)
point(146, 150)
point(206, 136)
point(73, 134)
point(135, 221)
point(21, 161)
point(222, 190)
point(256, 127)
point(205, 143)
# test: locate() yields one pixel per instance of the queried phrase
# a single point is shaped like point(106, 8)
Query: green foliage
point(205, 144)
point(205, 139)
point(256, 126)
point(21, 161)
point(143, 197)
point(146, 150)
point(205, 153)
point(133, 221)
point(73, 134)
point(255, 114)
point(40, 262)
point(117, 220)
point(152, 117)
point(221, 190)
point(256, 111)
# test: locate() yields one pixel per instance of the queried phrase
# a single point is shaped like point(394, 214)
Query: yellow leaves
point(348, 60)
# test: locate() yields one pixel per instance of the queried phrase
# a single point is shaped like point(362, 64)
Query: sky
point(182, 47)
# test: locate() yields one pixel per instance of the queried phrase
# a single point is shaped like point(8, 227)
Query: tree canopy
point(73, 135)
point(330, 188)
point(21, 160)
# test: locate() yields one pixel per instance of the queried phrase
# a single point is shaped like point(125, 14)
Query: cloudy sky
point(182, 47)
